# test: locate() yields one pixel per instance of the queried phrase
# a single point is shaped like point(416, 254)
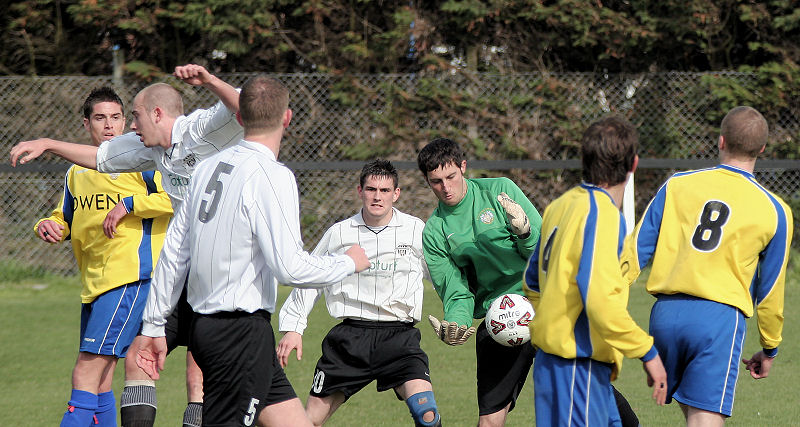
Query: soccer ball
point(507, 320)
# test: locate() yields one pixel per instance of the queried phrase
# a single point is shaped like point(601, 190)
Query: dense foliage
point(56, 37)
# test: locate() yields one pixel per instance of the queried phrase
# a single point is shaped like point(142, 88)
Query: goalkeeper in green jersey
point(477, 243)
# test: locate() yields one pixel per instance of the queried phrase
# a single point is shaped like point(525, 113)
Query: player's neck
point(271, 140)
point(744, 164)
point(616, 192)
point(166, 132)
point(372, 221)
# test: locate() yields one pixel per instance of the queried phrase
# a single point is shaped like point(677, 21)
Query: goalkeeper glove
point(450, 332)
point(516, 216)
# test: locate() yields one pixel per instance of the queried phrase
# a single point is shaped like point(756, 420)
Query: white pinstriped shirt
point(195, 137)
point(238, 234)
point(390, 290)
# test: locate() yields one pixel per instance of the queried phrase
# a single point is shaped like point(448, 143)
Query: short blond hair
point(163, 96)
point(745, 131)
point(263, 103)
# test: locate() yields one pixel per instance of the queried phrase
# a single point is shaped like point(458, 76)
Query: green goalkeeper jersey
point(472, 255)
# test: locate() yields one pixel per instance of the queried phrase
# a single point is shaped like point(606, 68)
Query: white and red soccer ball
point(507, 320)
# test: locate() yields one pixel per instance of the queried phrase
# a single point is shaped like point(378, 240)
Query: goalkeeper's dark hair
point(96, 96)
point(439, 153)
point(608, 150)
point(379, 168)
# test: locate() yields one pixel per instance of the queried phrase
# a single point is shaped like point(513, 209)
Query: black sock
point(626, 414)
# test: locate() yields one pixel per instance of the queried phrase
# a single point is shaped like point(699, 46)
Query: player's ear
point(287, 117)
point(721, 143)
point(635, 164)
point(239, 118)
point(158, 114)
point(396, 194)
point(463, 167)
point(86, 123)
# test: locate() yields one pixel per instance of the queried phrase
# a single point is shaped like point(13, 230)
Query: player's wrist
point(770, 352)
point(650, 355)
point(152, 331)
point(47, 144)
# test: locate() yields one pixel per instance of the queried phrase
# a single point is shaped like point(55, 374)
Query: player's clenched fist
point(450, 332)
point(358, 255)
point(193, 74)
point(516, 216)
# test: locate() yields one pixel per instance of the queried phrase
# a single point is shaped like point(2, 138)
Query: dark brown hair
point(608, 150)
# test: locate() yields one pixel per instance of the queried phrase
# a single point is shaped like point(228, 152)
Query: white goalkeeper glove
point(450, 332)
point(516, 216)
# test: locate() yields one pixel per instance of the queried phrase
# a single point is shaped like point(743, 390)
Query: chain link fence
point(523, 126)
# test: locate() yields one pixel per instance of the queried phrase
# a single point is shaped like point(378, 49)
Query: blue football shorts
point(110, 322)
point(574, 392)
point(700, 343)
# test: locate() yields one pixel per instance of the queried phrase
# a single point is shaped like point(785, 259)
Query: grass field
point(40, 318)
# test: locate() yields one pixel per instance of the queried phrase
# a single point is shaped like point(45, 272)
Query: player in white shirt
point(237, 236)
point(172, 143)
point(378, 306)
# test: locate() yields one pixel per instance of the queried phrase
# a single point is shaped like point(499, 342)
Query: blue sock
point(80, 413)
point(106, 412)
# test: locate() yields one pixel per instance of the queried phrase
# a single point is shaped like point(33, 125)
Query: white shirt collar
point(357, 219)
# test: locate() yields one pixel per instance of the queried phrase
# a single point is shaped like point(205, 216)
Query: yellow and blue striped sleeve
point(62, 214)
point(602, 288)
point(153, 204)
point(530, 282)
point(768, 286)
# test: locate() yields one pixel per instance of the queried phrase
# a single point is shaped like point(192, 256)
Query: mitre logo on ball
point(507, 320)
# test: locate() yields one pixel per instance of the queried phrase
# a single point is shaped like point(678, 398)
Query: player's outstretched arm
point(656, 378)
point(451, 333)
point(290, 341)
point(151, 354)
point(80, 154)
point(197, 75)
point(758, 365)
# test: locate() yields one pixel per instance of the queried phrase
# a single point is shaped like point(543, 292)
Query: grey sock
point(193, 415)
point(137, 406)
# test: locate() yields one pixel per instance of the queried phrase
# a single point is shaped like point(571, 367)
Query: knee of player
point(423, 409)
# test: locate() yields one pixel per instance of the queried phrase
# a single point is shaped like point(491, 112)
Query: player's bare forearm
point(225, 92)
point(113, 218)
point(197, 75)
point(80, 154)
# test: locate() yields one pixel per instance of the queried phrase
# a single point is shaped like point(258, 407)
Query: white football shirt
point(238, 234)
point(390, 290)
point(195, 137)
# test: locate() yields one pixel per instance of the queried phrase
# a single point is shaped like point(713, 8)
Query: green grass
point(39, 315)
